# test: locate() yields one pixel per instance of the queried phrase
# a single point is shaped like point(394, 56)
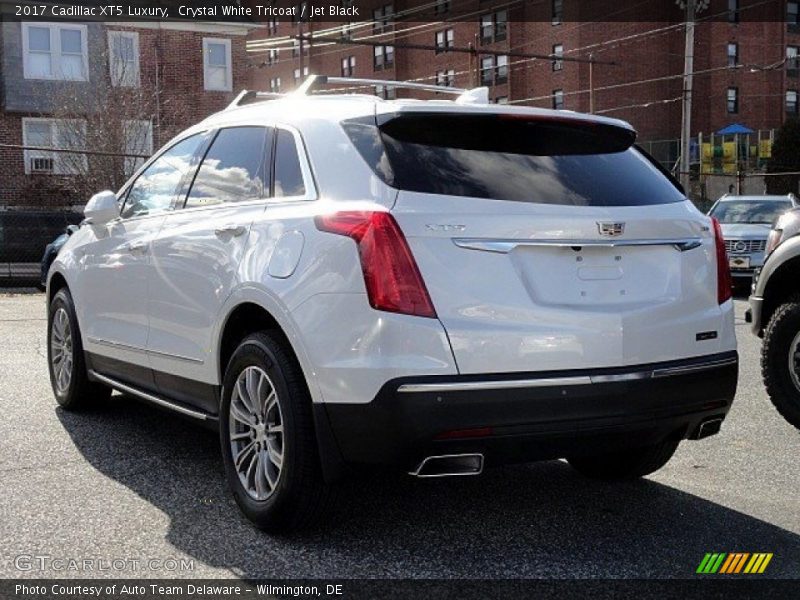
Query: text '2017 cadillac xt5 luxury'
point(337, 281)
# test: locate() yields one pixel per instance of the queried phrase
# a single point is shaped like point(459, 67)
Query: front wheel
point(780, 361)
point(267, 437)
point(626, 464)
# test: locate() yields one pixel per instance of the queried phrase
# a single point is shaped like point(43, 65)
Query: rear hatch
point(547, 242)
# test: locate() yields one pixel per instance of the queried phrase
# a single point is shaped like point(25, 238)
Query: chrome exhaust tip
point(449, 465)
point(708, 428)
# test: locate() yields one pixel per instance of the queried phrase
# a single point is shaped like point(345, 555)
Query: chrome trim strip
point(471, 386)
point(501, 246)
point(671, 371)
point(122, 387)
point(121, 346)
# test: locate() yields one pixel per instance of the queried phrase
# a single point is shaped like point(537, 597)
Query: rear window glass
point(548, 161)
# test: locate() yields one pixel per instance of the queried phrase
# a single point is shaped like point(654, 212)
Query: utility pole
point(686, 120)
point(591, 83)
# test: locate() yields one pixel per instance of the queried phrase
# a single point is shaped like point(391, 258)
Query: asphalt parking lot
point(128, 482)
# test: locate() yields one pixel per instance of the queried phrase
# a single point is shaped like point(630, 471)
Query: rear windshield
point(548, 161)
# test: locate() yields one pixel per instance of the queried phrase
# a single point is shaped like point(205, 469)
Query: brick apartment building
point(745, 70)
point(186, 70)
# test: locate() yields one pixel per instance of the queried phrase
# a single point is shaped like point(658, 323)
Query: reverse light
point(724, 281)
point(391, 275)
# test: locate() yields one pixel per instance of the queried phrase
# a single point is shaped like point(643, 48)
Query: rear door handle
point(136, 247)
point(232, 230)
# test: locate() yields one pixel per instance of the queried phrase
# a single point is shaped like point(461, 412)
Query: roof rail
point(479, 95)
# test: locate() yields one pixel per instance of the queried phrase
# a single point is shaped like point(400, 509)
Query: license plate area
point(599, 275)
point(739, 262)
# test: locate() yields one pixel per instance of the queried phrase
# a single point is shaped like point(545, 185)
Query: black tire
point(80, 392)
point(300, 499)
point(627, 464)
point(778, 336)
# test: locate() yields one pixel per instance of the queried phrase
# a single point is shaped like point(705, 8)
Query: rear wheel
point(68, 374)
point(626, 464)
point(780, 361)
point(267, 438)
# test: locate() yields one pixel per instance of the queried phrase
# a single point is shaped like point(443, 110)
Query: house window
point(387, 92)
point(792, 61)
point(382, 18)
point(444, 40)
point(793, 16)
point(273, 56)
point(55, 51)
point(348, 66)
point(558, 11)
point(446, 78)
point(217, 64)
point(558, 50)
point(383, 57)
point(298, 74)
point(733, 100)
point(501, 74)
point(558, 99)
point(441, 7)
point(123, 58)
point(272, 26)
point(296, 48)
point(275, 85)
point(733, 54)
point(487, 70)
point(52, 133)
point(733, 11)
point(494, 27)
point(791, 103)
point(138, 138)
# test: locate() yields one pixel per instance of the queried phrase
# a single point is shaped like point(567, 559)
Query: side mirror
point(101, 208)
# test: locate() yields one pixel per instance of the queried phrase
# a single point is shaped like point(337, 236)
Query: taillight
point(724, 282)
point(393, 281)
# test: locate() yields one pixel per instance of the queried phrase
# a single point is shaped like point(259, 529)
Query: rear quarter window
point(547, 161)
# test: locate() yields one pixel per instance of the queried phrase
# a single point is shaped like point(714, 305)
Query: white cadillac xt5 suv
point(337, 281)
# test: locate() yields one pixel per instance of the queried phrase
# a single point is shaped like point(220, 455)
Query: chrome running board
point(152, 398)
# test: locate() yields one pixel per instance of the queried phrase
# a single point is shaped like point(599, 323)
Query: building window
point(446, 78)
point(123, 58)
point(558, 99)
point(733, 100)
point(347, 31)
point(382, 18)
point(793, 16)
point(501, 100)
point(387, 92)
point(494, 70)
point(733, 54)
point(444, 40)
point(791, 103)
point(792, 61)
point(441, 7)
point(51, 133)
point(275, 85)
point(300, 74)
point(273, 55)
point(494, 27)
point(733, 11)
point(138, 137)
point(487, 70)
point(55, 51)
point(383, 57)
point(272, 26)
point(501, 74)
point(348, 66)
point(558, 50)
point(217, 64)
point(558, 11)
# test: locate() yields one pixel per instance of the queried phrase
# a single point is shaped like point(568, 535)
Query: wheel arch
point(782, 284)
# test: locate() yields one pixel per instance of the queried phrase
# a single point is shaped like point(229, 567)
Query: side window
point(155, 188)
point(288, 174)
point(233, 168)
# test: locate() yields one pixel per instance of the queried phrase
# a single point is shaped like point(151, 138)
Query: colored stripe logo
point(734, 563)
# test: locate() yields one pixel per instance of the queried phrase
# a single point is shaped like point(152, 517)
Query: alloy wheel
point(61, 354)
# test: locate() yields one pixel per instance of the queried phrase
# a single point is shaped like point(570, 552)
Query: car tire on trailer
point(780, 361)
point(630, 463)
point(267, 438)
point(66, 362)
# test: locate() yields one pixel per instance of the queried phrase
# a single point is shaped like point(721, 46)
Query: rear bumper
point(528, 416)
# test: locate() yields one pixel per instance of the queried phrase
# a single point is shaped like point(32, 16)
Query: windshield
point(750, 211)
point(548, 161)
